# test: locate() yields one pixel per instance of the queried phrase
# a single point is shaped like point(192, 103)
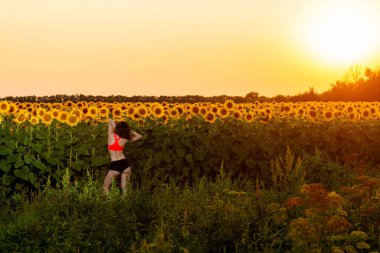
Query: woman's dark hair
point(122, 129)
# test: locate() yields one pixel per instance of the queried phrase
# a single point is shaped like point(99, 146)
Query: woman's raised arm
point(135, 136)
point(111, 126)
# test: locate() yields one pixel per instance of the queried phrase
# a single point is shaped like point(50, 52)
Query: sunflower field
point(207, 177)
point(73, 113)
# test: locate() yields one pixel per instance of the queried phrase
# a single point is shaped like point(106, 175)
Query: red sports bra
point(116, 146)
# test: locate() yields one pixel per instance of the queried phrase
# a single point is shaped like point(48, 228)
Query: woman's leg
point(125, 177)
point(108, 180)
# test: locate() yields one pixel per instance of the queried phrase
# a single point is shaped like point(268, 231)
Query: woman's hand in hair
point(135, 136)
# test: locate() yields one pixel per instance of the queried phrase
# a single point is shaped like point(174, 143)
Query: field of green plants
point(228, 186)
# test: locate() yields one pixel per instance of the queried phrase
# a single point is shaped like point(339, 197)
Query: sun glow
point(340, 33)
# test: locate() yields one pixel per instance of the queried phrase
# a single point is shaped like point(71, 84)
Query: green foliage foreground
point(221, 216)
point(291, 187)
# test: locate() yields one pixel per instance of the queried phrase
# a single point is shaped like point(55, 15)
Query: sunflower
point(79, 104)
point(373, 111)
point(210, 117)
point(34, 120)
point(136, 116)
point(55, 113)
point(194, 109)
point(21, 117)
point(223, 112)
point(349, 109)
point(12, 108)
point(130, 111)
point(63, 116)
point(248, 117)
point(236, 115)
point(104, 111)
point(165, 117)
point(77, 112)
point(158, 111)
point(123, 107)
point(365, 114)
point(72, 119)
point(229, 104)
point(180, 109)
point(328, 115)
point(239, 107)
point(117, 113)
point(214, 109)
point(4, 107)
point(30, 110)
point(203, 110)
point(40, 112)
point(286, 108)
point(142, 111)
point(300, 112)
point(47, 118)
point(173, 112)
point(312, 114)
point(84, 110)
point(92, 111)
point(352, 116)
point(69, 104)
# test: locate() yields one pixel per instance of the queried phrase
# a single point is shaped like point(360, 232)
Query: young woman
point(118, 135)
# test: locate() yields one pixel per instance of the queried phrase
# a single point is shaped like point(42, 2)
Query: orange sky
point(179, 47)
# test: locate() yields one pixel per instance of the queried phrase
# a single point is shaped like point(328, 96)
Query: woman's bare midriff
point(116, 155)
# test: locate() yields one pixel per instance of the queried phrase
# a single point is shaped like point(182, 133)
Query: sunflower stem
point(71, 148)
point(49, 141)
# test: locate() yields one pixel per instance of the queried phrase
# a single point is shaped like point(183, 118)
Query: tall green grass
point(221, 215)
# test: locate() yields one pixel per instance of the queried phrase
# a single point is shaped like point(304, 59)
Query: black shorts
point(119, 165)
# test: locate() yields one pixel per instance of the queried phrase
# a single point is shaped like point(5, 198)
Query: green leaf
point(5, 150)
point(7, 180)
point(12, 144)
point(189, 159)
point(99, 161)
point(4, 166)
point(27, 142)
point(199, 154)
point(40, 136)
point(82, 151)
point(37, 147)
point(38, 164)
point(167, 157)
point(28, 158)
point(21, 173)
point(32, 178)
point(19, 163)
point(185, 171)
point(180, 152)
point(13, 158)
point(157, 157)
point(186, 143)
point(78, 165)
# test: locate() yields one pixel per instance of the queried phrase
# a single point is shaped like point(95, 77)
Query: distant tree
point(355, 74)
point(280, 98)
point(252, 96)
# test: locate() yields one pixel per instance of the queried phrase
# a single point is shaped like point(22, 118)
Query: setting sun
point(340, 34)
